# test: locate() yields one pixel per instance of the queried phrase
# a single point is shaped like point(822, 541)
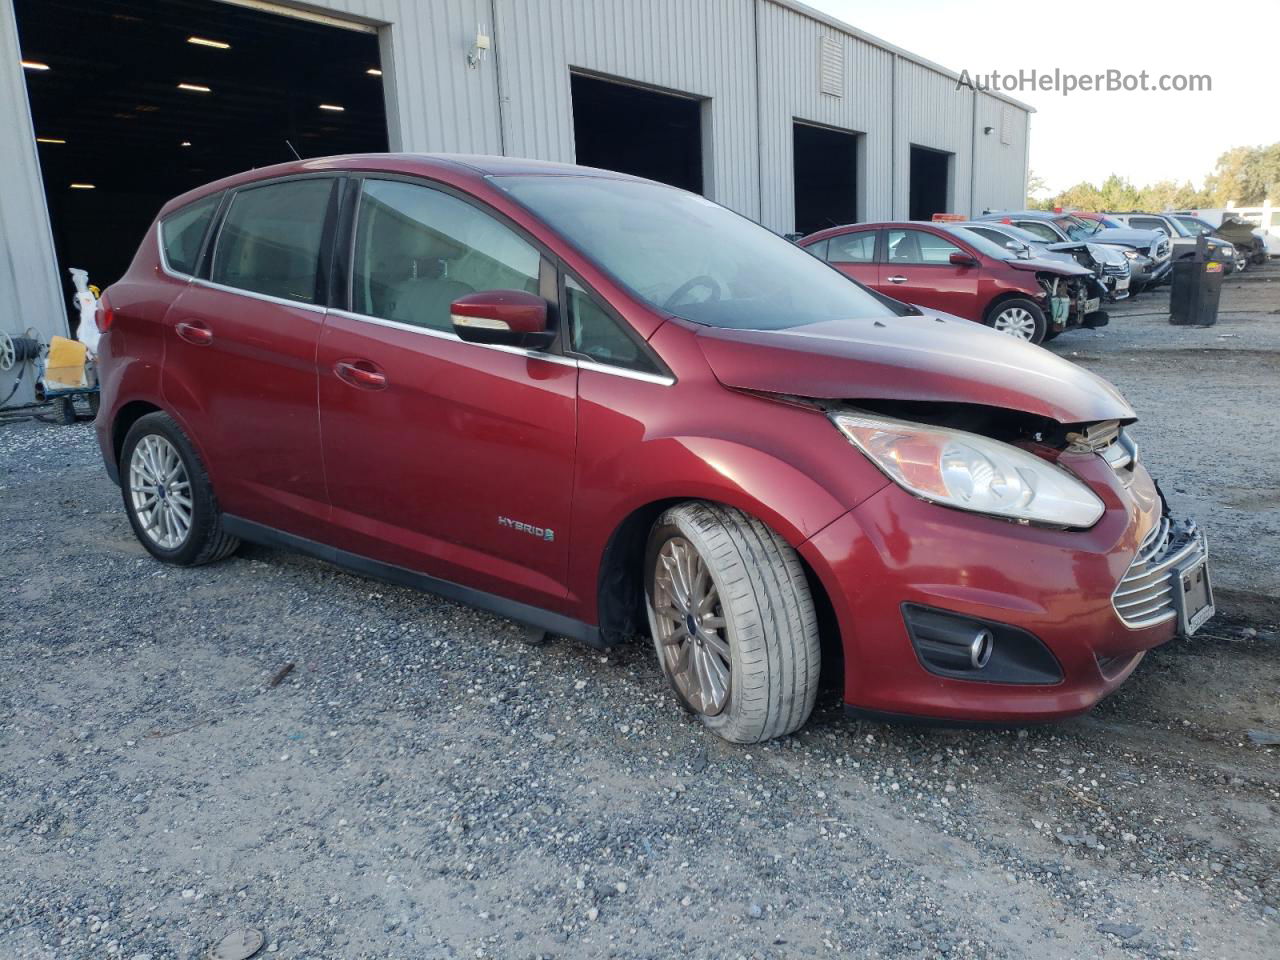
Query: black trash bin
point(1197, 286)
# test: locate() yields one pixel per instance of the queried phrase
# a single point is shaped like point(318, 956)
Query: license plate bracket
point(1193, 595)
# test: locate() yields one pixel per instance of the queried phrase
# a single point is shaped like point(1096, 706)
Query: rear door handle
point(193, 331)
point(360, 373)
point(898, 279)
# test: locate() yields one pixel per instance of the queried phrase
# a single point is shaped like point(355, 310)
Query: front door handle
point(898, 279)
point(360, 373)
point(193, 331)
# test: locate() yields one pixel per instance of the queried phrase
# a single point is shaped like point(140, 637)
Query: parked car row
point(1184, 241)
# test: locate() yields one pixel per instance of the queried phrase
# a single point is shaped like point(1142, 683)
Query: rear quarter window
point(182, 233)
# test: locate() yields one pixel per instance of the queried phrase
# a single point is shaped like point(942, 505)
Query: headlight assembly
point(971, 472)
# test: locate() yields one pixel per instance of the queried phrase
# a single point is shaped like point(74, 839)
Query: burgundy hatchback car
point(606, 407)
point(937, 266)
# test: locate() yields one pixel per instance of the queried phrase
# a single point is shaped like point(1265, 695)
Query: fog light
point(966, 648)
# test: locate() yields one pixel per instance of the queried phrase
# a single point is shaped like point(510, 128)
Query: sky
point(1142, 136)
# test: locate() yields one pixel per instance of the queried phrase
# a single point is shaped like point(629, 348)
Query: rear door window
point(270, 239)
point(853, 247)
point(1149, 223)
point(419, 249)
point(182, 233)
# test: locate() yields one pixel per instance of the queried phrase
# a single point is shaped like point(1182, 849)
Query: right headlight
point(971, 472)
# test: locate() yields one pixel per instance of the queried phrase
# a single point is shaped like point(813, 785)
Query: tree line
point(1244, 176)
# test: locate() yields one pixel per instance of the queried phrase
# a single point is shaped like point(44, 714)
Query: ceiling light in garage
point(34, 65)
point(49, 140)
point(194, 87)
point(202, 42)
point(84, 186)
point(332, 106)
point(374, 72)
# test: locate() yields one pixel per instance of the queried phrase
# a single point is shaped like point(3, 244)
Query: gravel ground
point(421, 784)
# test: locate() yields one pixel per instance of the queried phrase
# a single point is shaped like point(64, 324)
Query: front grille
point(1144, 596)
point(1116, 269)
point(1162, 249)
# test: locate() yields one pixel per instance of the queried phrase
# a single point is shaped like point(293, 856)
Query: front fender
point(782, 463)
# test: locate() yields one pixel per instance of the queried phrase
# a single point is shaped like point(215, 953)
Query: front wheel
point(168, 496)
point(733, 621)
point(1019, 318)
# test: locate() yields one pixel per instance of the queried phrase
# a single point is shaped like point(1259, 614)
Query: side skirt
point(523, 613)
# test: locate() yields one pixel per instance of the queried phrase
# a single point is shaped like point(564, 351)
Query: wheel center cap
point(691, 624)
point(160, 491)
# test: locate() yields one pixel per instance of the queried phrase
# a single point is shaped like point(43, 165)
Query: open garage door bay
point(145, 99)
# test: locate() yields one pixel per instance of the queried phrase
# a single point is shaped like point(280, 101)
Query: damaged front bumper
point(1048, 598)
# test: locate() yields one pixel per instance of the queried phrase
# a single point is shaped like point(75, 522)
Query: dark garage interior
point(638, 131)
point(930, 182)
point(118, 136)
point(826, 177)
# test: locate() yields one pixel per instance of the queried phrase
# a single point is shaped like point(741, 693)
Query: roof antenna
point(291, 150)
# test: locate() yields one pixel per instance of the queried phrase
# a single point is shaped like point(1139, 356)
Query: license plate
point(1091, 305)
point(1122, 283)
point(1193, 596)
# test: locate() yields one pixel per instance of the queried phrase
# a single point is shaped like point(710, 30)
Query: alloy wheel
point(160, 492)
point(1016, 322)
point(690, 624)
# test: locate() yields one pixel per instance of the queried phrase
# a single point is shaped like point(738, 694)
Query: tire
point(762, 616)
point(1022, 315)
point(203, 540)
point(64, 411)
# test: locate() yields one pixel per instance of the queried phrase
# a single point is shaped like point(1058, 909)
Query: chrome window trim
point(446, 335)
point(254, 295)
point(640, 375)
point(518, 351)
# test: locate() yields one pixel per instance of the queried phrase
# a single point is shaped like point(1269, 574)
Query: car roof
point(1023, 215)
point(457, 168)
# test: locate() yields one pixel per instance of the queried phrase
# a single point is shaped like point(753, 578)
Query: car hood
point(925, 358)
point(1051, 265)
point(1129, 238)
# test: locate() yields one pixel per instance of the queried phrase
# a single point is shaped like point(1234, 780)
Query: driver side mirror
point(963, 260)
point(509, 318)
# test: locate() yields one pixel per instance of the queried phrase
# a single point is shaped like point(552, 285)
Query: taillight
point(104, 316)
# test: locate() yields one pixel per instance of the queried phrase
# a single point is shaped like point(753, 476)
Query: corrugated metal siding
point(789, 91)
point(931, 112)
point(435, 101)
point(703, 48)
point(518, 102)
point(1000, 169)
point(30, 292)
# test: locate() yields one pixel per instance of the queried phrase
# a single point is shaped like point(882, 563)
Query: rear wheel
point(168, 496)
point(733, 621)
point(1019, 318)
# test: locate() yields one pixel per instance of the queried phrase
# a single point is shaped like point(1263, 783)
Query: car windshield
point(1178, 229)
point(687, 256)
point(1194, 225)
point(1076, 228)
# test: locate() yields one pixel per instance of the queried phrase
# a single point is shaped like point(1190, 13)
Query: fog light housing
point(968, 648)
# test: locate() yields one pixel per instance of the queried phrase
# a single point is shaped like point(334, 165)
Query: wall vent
point(831, 66)
point(1006, 125)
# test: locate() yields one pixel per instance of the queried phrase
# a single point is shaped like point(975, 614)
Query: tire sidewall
point(679, 527)
point(1037, 314)
point(203, 510)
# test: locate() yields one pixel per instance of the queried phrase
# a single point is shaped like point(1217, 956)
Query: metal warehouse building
point(793, 118)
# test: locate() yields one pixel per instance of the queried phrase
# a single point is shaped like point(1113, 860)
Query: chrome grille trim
point(1144, 596)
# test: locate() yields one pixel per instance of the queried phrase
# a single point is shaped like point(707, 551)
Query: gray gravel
point(421, 784)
